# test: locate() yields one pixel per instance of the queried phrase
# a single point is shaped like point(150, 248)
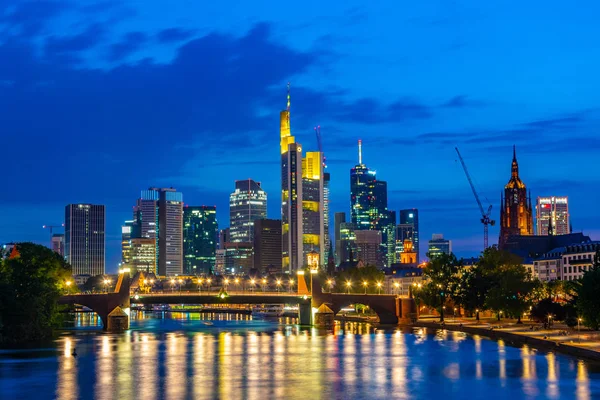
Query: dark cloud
point(461, 101)
point(57, 47)
point(29, 18)
point(130, 43)
point(171, 35)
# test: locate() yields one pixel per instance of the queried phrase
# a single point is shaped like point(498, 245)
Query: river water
point(183, 356)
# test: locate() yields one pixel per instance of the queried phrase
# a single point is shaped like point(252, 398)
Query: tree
point(30, 285)
point(546, 307)
point(473, 288)
point(588, 298)
point(356, 277)
point(442, 273)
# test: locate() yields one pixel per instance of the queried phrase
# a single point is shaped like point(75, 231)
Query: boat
point(267, 311)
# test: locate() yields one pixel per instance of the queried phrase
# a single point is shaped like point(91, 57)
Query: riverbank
point(578, 345)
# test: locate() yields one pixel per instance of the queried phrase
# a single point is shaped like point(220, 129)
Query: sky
point(102, 99)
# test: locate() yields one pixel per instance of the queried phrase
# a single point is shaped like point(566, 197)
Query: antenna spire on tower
point(359, 152)
point(288, 96)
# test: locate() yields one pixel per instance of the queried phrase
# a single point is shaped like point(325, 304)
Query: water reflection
point(182, 357)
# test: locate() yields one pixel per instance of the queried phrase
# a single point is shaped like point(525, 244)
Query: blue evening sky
point(101, 99)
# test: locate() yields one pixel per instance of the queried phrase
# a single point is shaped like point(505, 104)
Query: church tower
point(516, 215)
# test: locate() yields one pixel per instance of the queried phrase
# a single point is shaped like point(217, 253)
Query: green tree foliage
point(588, 295)
point(472, 290)
point(442, 275)
point(356, 276)
point(547, 307)
point(30, 286)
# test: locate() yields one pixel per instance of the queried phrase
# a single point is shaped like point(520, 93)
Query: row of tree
point(500, 283)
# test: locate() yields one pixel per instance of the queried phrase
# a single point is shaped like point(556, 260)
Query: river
point(184, 355)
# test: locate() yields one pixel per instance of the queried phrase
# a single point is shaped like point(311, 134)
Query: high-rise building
point(85, 238)
point(246, 204)
point(313, 228)
point(552, 216)
point(326, 219)
point(516, 214)
point(410, 218)
point(368, 244)
point(339, 219)
point(361, 179)
point(126, 235)
point(438, 245)
point(58, 243)
point(235, 258)
point(291, 195)
point(224, 237)
point(158, 215)
point(403, 232)
point(199, 239)
point(347, 248)
point(386, 223)
point(142, 255)
point(267, 244)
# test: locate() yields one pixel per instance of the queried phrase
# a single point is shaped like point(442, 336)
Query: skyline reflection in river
point(181, 356)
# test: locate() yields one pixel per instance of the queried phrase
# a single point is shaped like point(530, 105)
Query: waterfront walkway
point(584, 343)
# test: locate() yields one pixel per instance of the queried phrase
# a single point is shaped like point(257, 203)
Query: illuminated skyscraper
point(368, 244)
point(291, 195)
point(326, 219)
point(516, 214)
point(552, 212)
point(361, 179)
point(408, 228)
point(438, 245)
point(339, 219)
point(142, 255)
point(158, 215)
point(246, 204)
point(199, 239)
point(313, 228)
point(126, 235)
point(85, 238)
point(267, 245)
point(346, 247)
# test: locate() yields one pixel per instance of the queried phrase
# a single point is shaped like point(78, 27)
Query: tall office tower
point(438, 245)
point(387, 225)
point(58, 243)
point(158, 215)
point(552, 212)
point(291, 194)
point(236, 258)
point(411, 217)
point(361, 179)
point(142, 255)
point(516, 214)
point(313, 228)
point(246, 204)
point(348, 250)
point(326, 219)
point(224, 237)
point(339, 219)
point(84, 238)
point(368, 244)
point(403, 232)
point(267, 245)
point(126, 235)
point(199, 239)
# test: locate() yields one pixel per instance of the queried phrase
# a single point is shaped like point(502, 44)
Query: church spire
point(515, 164)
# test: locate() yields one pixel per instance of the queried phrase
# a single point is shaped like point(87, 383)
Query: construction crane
point(51, 227)
point(485, 216)
point(320, 143)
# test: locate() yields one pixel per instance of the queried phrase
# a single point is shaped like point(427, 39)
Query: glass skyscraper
point(410, 217)
point(552, 212)
point(85, 238)
point(246, 204)
point(199, 239)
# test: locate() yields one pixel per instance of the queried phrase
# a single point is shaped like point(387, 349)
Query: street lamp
point(68, 283)
point(396, 287)
point(172, 285)
point(348, 286)
point(291, 284)
point(200, 282)
point(237, 283)
point(379, 285)
point(252, 282)
point(454, 315)
point(278, 284)
point(180, 282)
point(578, 330)
point(330, 283)
point(106, 283)
point(208, 287)
point(226, 283)
point(264, 282)
point(365, 284)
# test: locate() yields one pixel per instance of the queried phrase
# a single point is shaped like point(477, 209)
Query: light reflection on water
point(179, 356)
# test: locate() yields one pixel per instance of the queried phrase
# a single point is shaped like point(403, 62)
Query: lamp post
point(200, 283)
point(172, 285)
point(278, 284)
point(330, 283)
point(379, 285)
point(291, 284)
point(365, 284)
point(252, 282)
point(396, 287)
point(264, 282)
point(208, 287)
point(106, 283)
point(578, 330)
point(348, 286)
point(180, 283)
point(477, 315)
point(68, 283)
point(226, 283)
point(237, 283)
point(454, 315)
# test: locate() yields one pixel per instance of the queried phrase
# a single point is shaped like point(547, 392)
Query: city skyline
point(417, 117)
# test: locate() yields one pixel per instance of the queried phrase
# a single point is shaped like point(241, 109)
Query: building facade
point(200, 229)
point(313, 220)
point(577, 259)
point(58, 243)
point(246, 204)
point(552, 216)
point(516, 216)
point(326, 215)
point(361, 185)
point(438, 245)
point(85, 238)
point(126, 236)
point(408, 228)
point(368, 243)
point(142, 255)
point(267, 244)
point(339, 219)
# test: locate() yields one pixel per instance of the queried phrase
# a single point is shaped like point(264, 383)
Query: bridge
point(390, 309)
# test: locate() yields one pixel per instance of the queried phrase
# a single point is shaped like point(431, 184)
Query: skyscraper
point(410, 218)
point(552, 212)
point(58, 243)
point(85, 238)
point(126, 235)
point(142, 255)
point(267, 245)
point(246, 204)
point(313, 228)
point(339, 218)
point(347, 248)
point(368, 244)
point(199, 239)
point(291, 194)
point(438, 245)
point(361, 179)
point(158, 215)
point(326, 219)
point(516, 214)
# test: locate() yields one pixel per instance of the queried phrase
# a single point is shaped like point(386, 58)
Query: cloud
point(171, 35)
point(461, 101)
point(129, 44)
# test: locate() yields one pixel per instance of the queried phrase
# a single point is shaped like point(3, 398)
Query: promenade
point(559, 337)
